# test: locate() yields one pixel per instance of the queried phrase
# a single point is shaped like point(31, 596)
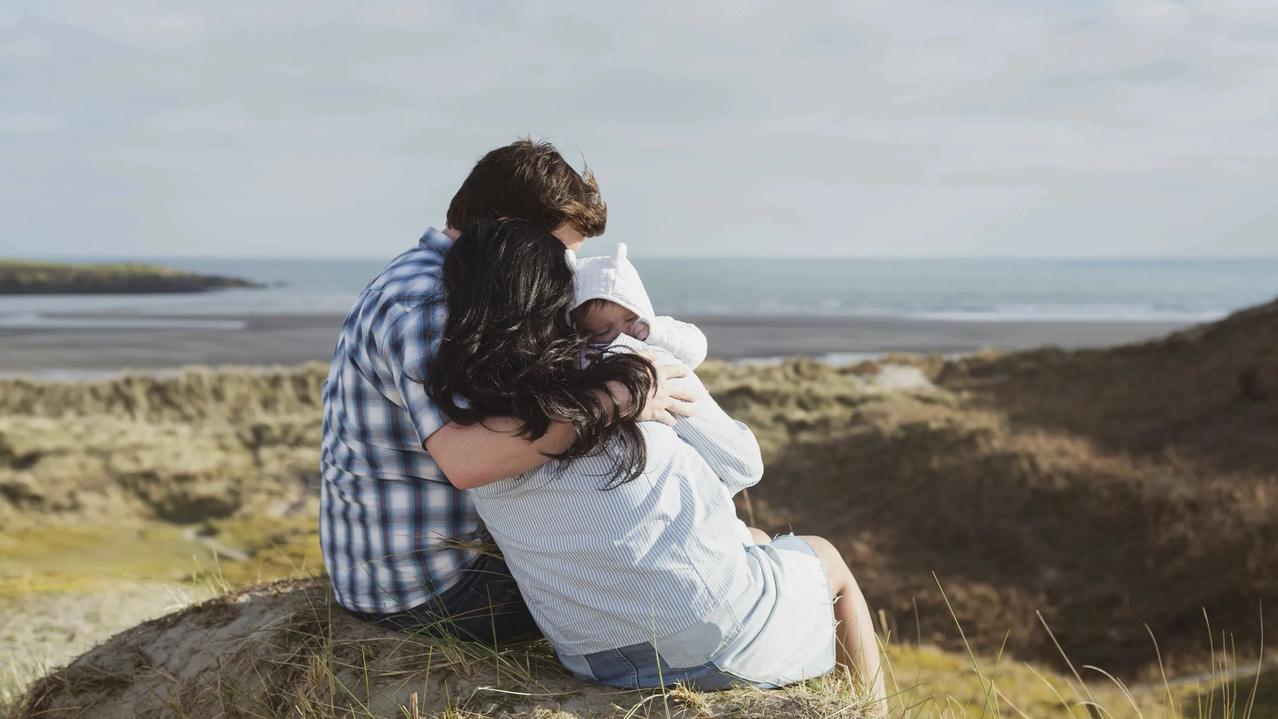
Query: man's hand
point(669, 399)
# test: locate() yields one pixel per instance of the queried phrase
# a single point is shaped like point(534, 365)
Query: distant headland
point(21, 277)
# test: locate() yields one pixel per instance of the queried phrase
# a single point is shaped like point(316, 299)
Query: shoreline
point(95, 345)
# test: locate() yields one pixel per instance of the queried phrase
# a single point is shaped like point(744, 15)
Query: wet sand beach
point(69, 345)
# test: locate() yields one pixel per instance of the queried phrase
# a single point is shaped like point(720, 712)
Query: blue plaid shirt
point(385, 507)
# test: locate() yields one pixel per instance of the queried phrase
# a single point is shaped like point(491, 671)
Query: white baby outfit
point(615, 279)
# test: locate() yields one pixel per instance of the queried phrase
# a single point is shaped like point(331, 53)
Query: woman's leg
point(857, 644)
point(760, 536)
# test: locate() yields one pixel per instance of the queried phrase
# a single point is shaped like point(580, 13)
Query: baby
point(611, 301)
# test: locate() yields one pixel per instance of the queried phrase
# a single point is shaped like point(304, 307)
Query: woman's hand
point(668, 399)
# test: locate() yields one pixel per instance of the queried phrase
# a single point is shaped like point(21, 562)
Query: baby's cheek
point(639, 330)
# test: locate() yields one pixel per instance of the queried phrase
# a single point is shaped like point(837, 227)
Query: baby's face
point(603, 321)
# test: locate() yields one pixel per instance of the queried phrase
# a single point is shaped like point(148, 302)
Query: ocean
point(1023, 290)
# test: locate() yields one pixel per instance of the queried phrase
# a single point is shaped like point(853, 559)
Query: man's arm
point(478, 454)
point(474, 455)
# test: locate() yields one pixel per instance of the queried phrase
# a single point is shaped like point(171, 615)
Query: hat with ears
point(610, 278)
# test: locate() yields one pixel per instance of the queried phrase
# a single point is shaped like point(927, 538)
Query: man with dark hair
point(531, 181)
point(397, 529)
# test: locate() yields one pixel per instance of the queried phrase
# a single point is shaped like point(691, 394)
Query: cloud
point(22, 123)
point(136, 24)
point(717, 128)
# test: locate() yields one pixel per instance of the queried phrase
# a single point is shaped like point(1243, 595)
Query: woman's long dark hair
point(510, 349)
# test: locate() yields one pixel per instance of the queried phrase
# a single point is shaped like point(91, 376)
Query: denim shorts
point(785, 637)
point(640, 666)
point(483, 606)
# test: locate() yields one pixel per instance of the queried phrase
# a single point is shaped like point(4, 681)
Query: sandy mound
point(49, 629)
point(287, 650)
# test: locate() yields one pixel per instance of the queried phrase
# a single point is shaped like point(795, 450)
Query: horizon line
point(321, 258)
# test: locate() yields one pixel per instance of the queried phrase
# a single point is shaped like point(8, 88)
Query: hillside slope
point(1107, 489)
point(1208, 394)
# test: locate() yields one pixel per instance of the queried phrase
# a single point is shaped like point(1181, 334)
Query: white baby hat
point(610, 278)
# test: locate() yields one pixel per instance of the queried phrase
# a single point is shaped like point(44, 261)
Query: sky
point(899, 128)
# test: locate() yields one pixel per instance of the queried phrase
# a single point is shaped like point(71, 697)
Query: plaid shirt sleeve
point(411, 339)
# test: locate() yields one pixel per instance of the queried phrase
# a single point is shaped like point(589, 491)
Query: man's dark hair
point(510, 350)
point(531, 181)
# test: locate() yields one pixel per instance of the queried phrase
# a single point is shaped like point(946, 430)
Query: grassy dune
point(21, 277)
point(286, 649)
point(203, 444)
point(1107, 495)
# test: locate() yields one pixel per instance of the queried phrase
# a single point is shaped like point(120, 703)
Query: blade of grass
point(1064, 703)
point(1121, 688)
point(1065, 656)
point(1162, 670)
point(1260, 661)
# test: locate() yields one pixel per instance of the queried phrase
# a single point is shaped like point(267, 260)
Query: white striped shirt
point(645, 560)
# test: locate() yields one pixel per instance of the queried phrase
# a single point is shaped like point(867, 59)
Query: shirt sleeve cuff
point(425, 415)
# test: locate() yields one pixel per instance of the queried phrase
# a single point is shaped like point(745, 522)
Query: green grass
point(74, 558)
point(277, 548)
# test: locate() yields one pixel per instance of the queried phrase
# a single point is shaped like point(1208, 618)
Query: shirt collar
point(435, 239)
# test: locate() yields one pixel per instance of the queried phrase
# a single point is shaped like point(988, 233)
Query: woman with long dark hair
point(626, 546)
point(511, 350)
